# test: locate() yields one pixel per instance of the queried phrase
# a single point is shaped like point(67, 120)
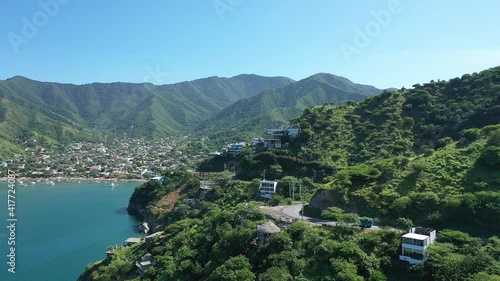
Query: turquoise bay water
point(63, 228)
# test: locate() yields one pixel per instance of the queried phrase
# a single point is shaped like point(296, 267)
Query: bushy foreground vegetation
point(215, 239)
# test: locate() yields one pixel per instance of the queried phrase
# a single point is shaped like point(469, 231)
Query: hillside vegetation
point(251, 116)
point(416, 153)
point(215, 238)
point(59, 113)
point(427, 156)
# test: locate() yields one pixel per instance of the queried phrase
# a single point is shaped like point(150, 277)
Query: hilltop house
point(132, 240)
point(205, 187)
point(415, 243)
point(291, 131)
point(159, 179)
point(236, 147)
point(146, 262)
point(267, 188)
point(272, 143)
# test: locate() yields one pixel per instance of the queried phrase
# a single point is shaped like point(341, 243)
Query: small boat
point(112, 184)
point(51, 183)
point(144, 227)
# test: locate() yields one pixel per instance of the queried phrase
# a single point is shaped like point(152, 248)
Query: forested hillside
point(214, 237)
point(251, 116)
point(427, 156)
point(405, 123)
point(59, 113)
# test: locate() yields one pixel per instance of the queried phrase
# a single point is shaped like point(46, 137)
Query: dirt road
point(292, 212)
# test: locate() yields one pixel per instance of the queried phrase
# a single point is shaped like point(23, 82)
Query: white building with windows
point(291, 131)
point(415, 243)
point(267, 188)
point(236, 147)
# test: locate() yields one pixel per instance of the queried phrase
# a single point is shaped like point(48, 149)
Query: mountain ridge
point(274, 107)
point(60, 112)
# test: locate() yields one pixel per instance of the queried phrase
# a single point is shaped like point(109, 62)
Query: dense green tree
point(234, 269)
point(275, 274)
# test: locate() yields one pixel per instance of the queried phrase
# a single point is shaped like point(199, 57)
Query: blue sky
point(385, 43)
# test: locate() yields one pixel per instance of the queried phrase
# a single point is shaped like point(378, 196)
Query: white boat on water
point(51, 183)
point(145, 227)
point(112, 184)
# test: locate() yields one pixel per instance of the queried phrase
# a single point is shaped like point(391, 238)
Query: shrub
point(491, 156)
point(471, 135)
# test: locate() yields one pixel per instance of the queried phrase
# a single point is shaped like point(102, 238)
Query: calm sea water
point(63, 228)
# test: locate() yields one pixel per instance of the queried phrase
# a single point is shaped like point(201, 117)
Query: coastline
point(28, 180)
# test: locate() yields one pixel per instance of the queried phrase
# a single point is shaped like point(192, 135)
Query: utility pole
point(264, 174)
point(301, 198)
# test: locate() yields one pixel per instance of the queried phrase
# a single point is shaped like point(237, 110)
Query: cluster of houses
point(122, 159)
point(274, 139)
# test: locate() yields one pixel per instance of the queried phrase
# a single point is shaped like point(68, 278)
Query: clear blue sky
point(164, 41)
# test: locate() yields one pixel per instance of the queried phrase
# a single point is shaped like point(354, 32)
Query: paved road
point(293, 212)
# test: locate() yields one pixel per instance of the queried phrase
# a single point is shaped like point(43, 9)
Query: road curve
point(293, 211)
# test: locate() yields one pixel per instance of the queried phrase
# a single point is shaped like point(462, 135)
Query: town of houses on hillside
point(123, 159)
point(126, 158)
point(273, 140)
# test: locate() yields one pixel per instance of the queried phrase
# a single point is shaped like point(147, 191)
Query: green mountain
point(276, 107)
point(429, 154)
point(61, 112)
point(401, 123)
point(426, 156)
point(422, 154)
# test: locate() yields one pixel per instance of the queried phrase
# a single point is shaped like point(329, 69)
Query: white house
point(272, 143)
point(415, 243)
point(292, 131)
point(236, 147)
point(267, 188)
point(159, 179)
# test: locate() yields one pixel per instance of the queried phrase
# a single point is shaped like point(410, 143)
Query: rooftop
point(422, 230)
point(415, 236)
point(133, 240)
point(154, 234)
point(268, 228)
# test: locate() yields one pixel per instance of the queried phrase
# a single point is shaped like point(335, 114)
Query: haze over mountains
point(61, 113)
